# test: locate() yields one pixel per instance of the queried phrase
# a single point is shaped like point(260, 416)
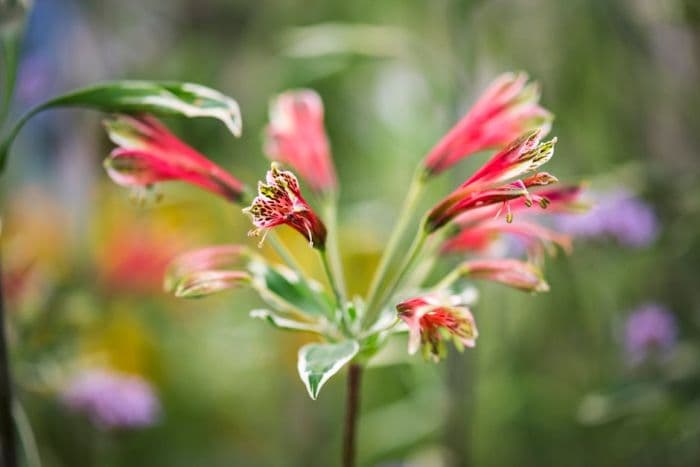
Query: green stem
point(26, 436)
point(12, 134)
point(451, 278)
point(407, 211)
point(407, 265)
point(336, 264)
point(10, 47)
point(284, 253)
point(331, 278)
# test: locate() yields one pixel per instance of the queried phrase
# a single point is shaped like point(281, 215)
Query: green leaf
point(282, 322)
point(285, 284)
point(318, 362)
point(158, 98)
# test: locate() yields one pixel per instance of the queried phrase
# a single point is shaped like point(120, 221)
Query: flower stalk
point(339, 298)
point(352, 410)
point(407, 212)
point(7, 430)
point(330, 209)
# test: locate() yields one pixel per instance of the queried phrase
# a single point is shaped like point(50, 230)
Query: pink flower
point(479, 237)
point(525, 154)
point(206, 271)
point(468, 197)
point(431, 319)
point(296, 137)
point(510, 272)
point(148, 153)
point(559, 199)
point(279, 202)
point(508, 108)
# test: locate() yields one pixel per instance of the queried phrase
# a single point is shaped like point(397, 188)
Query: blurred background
point(603, 370)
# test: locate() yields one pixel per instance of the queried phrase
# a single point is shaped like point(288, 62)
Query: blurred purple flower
point(650, 330)
point(112, 400)
point(619, 215)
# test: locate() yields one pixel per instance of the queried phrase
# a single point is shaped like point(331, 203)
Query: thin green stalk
point(9, 55)
point(26, 436)
point(336, 264)
point(407, 211)
point(331, 277)
point(406, 266)
point(283, 252)
point(451, 278)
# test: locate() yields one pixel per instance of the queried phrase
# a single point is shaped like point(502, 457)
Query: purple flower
point(619, 215)
point(650, 330)
point(112, 400)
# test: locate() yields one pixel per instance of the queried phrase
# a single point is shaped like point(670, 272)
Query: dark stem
point(352, 409)
point(7, 433)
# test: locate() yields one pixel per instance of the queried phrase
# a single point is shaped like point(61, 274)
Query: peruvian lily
point(431, 319)
point(526, 154)
point(280, 202)
point(508, 108)
point(206, 265)
point(479, 237)
point(558, 199)
point(513, 273)
point(148, 153)
point(467, 198)
point(296, 137)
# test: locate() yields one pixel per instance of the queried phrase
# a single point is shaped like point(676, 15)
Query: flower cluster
point(506, 119)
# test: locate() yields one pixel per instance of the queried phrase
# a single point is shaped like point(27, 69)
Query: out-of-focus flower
point(149, 153)
point(650, 330)
point(507, 109)
point(296, 137)
point(206, 271)
point(112, 400)
point(479, 237)
point(279, 202)
point(619, 215)
point(432, 319)
point(513, 273)
point(135, 259)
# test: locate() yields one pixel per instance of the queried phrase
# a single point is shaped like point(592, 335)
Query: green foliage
point(158, 98)
point(318, 362)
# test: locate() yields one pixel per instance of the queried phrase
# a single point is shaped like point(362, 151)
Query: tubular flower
point(479, 237)
point(517, 274)
point(526, 154)
point(431, 320)
point(559, 199)
point(279, 202)
point(148, 153)
point(508, 108)
point(206, 271)
point(296, 137)
point(467, 198)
